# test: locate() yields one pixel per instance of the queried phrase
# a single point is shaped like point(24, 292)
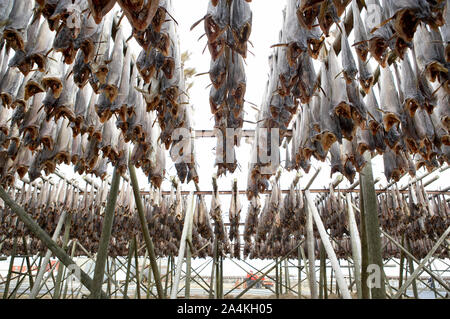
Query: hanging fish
point(100, 8)
point(389, 103)
point(360, 33)
point(15, 32)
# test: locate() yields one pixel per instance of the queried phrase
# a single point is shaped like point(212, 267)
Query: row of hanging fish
point(85, 206)
point(344, 116)
point(228, 25)
point(163, 89)
point(275, 228)
point(49, 55)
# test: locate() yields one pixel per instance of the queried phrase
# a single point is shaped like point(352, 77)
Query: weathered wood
point(311, 253)
point(181, 251)
point(356, 245)
point(48, 254)
point(145, 231)
point(129, 260)
point(328, 247)
point(372, 224)
point(411, 270)
point(58, 286)
point(42, 235)
point(420, 267)
point(102, 253)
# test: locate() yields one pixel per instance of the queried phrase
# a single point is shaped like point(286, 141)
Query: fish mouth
point(362, 50)
point(54, 84)
point(366, 84)
point(40, 60)
point(14, 39)
point(327, 140)
point(378, 48)
point(343, 109)
point(111, 92)
point(411, 105)
point(436, 71)
point(314, 47)
point(6, 99)
point(32, 88)
point(389, 120)
point(406, 24)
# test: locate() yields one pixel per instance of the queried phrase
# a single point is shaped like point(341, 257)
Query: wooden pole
point(402, 260)
point(48, 254)
point(167, 275)
point(187, 221)
point(211, 284)
point(322, 272)
point(372, 224)
point(311, 253)
point(419, 268)
point(129, 260)
point(430, 272)
point(299, 275)
point(58, 287)
point(187, 289)
point(411, 270)
point(10, 269)
point(145, 231)
point(277, 286)
point(356, 245)
point(108, 218)
point(136, 270)
point(328, 247)
point(74, 245)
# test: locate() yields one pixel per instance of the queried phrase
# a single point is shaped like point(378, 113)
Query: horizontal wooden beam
point(316, 191)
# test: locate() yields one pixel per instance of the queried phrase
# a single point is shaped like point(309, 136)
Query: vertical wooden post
point(365, 292)
point(30, 276)
point(356, 245)
point(311, 253)
point(372, 224)
point(10, 269)
point(211, 283)
point(57, 291)
point(402, 260)
point(187, 289)
point(299, 275)
point(328, 247)
point(108, 218)
point(322, 289)
point(277, 279)
point(145, 231)
point(129, 261)
point(48, 254)
point(167, 276)
point(411, 270)
point(286, 276)
point(72, 253)
point(136, 269)
point(187, 221)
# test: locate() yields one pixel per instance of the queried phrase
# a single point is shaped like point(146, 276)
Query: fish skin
point(348, 62)
point(360, 34)
point(389, 101)
point(15, 31)
point(140, 17)
point(241, 25)
point(100, 8)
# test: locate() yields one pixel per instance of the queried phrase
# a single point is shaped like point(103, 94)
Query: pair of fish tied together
point(73, 92)
point(386, 91)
